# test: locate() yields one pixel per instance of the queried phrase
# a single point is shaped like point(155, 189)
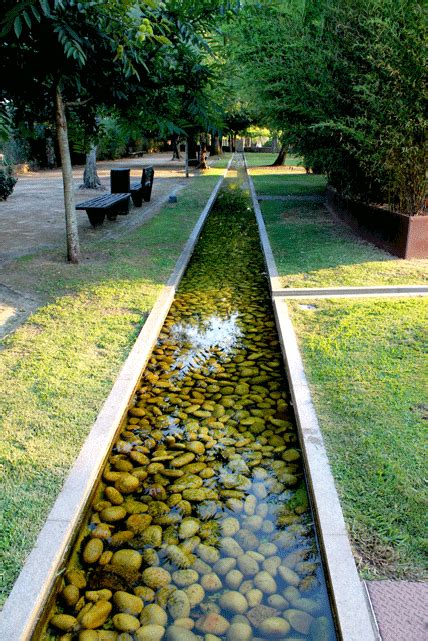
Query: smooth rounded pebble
point(151, 632)
point(178, 605)
point(176, 633)
point(153, 614)
point(264, 582)
point(211, 582)
point(212, 623)
point(274, 627)
point(239, 632)
point(125, 622)
point(127, 603)
point(233, 602)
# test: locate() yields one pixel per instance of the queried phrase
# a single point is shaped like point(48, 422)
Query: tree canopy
point(343, 80)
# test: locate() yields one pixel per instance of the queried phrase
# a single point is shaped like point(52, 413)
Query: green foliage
point(343, 82)
point(7, 182)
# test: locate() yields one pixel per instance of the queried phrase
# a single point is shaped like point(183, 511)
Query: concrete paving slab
point(401, 609)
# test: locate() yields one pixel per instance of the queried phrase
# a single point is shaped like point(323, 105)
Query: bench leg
point(122, 208)
point(137, 197)
point(147, 193)
point(96, 217)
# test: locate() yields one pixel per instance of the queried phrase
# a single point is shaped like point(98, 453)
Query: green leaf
point(45, 7)
point(27, 19)
point(36, 13)
point(17, 25)
point(163, 40)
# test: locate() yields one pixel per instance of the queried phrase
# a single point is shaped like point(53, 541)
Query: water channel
point(201, 528)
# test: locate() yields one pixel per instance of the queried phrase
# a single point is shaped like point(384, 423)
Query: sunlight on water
point(201, 529)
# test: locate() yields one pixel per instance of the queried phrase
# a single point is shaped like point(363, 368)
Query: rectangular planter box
point(399, 234)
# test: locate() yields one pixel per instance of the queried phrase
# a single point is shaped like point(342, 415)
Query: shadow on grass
point(312, 248)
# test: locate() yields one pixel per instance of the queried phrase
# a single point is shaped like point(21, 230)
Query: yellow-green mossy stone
point(156, 577)
point(150, 632)
point(152, 535)
point(188, 528)
point(153, 614)
point(129, 559)
point(93, 550)
point(125, 622)
point(127, 603)
point(63, 622)
point(97, 615)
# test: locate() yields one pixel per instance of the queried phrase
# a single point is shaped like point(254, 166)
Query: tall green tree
point(343, 80)
point(63, 54)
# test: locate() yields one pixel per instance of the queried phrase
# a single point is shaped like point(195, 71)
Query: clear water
point(206, 480)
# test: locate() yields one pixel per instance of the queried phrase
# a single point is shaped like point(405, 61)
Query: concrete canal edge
point(376, 291)
point(354, 617)
point(31, 590)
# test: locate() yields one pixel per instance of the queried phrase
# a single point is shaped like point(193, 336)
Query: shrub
point(7, 182)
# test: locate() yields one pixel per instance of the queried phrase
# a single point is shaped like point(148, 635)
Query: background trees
point(343, 81)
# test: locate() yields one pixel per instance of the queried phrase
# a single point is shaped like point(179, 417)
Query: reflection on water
point(211, 338)
point(201, 528)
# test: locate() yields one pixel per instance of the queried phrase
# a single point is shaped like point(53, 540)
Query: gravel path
point(32, 219)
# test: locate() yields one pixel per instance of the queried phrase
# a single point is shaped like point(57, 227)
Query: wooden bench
point(136, 154)
point(110, 205)
point(142, 189)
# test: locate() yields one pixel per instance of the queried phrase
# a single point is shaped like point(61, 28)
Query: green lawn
point(262, 159)
point(312, 249)
point(57, 369)
point(367, 371)
point(280, 183)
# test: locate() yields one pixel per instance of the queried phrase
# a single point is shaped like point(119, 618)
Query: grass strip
point(278, 181)
point(313, 249)
point(366, 367)
point(261, 159)
point(57, 369)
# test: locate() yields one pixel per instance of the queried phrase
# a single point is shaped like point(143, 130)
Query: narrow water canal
point(201, 529)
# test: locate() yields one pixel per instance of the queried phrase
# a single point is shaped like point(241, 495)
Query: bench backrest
point(147, 182)
point(147, 176)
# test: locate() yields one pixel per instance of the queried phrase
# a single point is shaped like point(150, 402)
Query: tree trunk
point(50, 152)
point(175, 148)
point(186, 160)
point(275, 144)
point(280, 159)
point(215, 146)
point(203, 158)
point(73, 249)
point(192, 150)
point(90, 177)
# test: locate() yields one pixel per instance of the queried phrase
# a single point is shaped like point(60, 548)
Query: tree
point(342, 81)
point(65, 53)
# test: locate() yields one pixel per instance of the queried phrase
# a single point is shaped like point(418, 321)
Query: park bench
point(136, 154)
point(142, 189)
point(110, 205)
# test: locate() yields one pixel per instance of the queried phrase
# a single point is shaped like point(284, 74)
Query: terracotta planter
point(399, 234)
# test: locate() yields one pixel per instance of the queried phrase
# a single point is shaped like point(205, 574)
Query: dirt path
point(32, 219)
